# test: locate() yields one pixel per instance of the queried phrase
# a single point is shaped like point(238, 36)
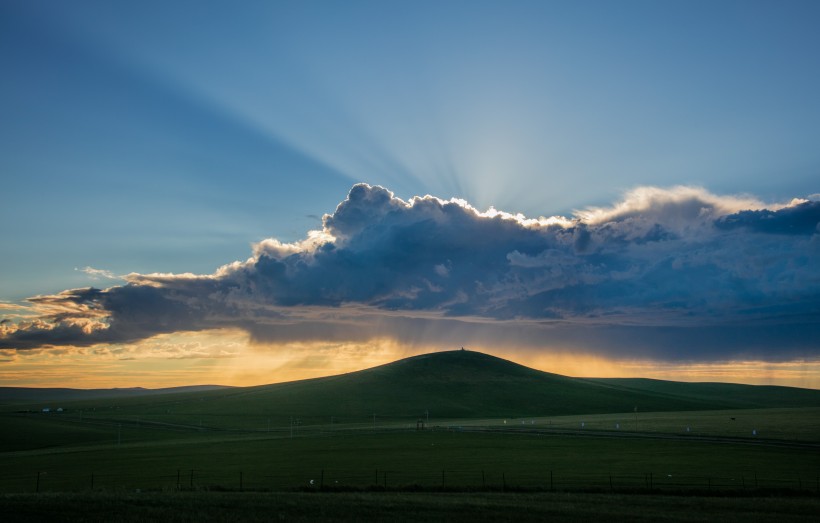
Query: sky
point(209, 192)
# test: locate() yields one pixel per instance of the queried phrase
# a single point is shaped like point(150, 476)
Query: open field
point(407, 458)
point(389, 506)
point(330, 449)
point(29, 431)
point(790, 424)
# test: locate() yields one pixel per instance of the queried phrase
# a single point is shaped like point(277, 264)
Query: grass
point(411, 507)
point(37, 430)
point(741, 396)
point(447, 385)
point(430, 459)
point(503, 441)
point(795, 424)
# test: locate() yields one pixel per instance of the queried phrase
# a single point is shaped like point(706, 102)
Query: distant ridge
point(33, 394)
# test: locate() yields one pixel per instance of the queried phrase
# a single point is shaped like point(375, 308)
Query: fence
point(393, 479)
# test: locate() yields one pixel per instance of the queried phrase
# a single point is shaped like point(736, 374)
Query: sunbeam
point(625, 182)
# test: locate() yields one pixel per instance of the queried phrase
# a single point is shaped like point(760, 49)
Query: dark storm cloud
point(674, 274)
point(799, 219)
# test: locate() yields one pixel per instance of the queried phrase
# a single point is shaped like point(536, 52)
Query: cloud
point(674, 273)
point(9, 306)
point(801, 218)
point(97, 274)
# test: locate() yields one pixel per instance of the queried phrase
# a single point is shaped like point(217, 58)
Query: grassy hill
point(470, 387)
point(465, 384)
point(739, 396)
point(454, 384)
point(447, 385)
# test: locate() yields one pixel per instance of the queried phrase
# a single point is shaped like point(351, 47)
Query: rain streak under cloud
point(675, 274)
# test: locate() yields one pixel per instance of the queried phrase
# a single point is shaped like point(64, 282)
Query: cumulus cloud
point(672, 273)
point(8, 306)
point(97, 274)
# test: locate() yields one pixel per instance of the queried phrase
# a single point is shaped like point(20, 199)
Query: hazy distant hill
point(30, 394)
point(453, 384)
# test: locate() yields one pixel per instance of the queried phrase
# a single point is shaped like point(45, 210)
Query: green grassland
point(441, 386)
point(499, 437)
point(787, 424)
point(399, 507)
point(406, 458)
point(32, 431)
point(737, 395)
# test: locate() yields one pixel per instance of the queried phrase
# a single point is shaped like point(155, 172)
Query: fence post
point(483, 481)
point(92, 481)
point(192, 478)
point(322, 479)
point(37, 486)
point(503, 481)
point(178, 479)
point(385, 479)
point(377, 477)
point(442, 478)
point(240, 481)
point(610, 482)
point(551, 485)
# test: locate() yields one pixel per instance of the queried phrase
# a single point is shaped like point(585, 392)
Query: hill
point(740, 396)
point(468, 384)
point(451, 384)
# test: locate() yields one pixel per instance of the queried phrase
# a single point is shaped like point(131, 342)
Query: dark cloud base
point(676, 274)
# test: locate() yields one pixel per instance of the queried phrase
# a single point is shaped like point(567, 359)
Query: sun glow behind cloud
point(674, 275)
point(224, 357)
point(530, 107)
point(229, 357)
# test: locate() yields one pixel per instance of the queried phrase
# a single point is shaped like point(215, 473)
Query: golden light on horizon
point(229, 357)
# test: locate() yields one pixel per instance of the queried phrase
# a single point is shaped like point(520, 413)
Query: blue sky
point(166, 137)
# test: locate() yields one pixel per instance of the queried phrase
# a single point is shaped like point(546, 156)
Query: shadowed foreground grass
point(386, 506)
point(428, 458)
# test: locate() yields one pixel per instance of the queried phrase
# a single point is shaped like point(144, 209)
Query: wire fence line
point(395, 479)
